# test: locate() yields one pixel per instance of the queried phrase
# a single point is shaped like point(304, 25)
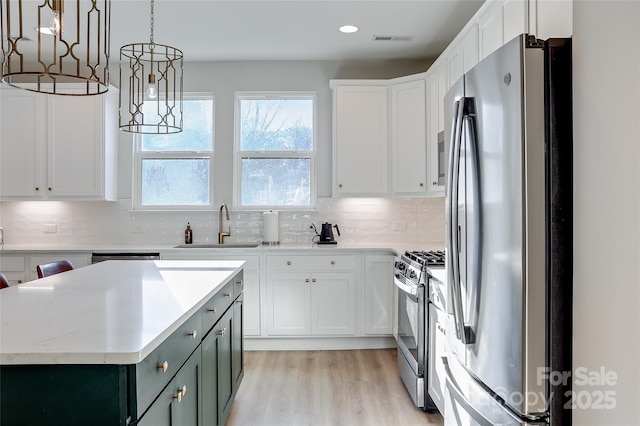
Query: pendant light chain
point(151, 25)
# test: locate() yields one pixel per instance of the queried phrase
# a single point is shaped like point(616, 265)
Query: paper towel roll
point(271, 228)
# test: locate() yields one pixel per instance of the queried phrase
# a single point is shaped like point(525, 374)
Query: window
point(174, 171)
point(275, 150)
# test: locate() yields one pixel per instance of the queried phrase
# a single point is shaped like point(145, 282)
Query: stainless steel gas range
point(411, 277)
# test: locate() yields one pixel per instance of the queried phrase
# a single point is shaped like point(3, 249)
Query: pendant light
point(150, 87)
point(56, 47)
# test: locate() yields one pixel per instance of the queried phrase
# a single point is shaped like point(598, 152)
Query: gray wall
point(226, 78)
point(606, 202)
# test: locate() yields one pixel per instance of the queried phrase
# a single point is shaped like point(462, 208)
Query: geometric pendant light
point(150, 87)
point(56, 46)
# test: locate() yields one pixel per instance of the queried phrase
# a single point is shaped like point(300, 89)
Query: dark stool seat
point(4, 282)
point(53, 268)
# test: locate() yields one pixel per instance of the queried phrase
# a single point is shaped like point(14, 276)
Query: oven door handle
point(409, 290)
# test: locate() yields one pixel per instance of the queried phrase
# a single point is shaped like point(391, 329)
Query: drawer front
point(150, 375)
point(217, 305)
point(312, 263)
point(12, 263)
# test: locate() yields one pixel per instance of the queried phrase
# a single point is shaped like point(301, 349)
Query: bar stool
point(53, 268)
point(4, 282)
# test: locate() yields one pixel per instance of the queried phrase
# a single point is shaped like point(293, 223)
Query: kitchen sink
point(216, 246)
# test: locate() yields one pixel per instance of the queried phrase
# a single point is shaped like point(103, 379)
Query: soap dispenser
point(188, 235)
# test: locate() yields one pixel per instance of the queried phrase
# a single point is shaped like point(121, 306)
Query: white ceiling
point(214, 30)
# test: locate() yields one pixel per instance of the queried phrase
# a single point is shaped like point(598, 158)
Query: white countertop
point(398, 247)
point(115, 312)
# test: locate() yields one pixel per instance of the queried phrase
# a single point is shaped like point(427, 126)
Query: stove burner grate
point(428, 258)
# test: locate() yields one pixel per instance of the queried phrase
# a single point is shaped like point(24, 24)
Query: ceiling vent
point(391, 38)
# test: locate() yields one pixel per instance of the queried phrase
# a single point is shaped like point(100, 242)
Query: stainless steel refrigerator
point(509, 254)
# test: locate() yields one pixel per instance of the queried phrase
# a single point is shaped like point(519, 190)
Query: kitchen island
point(123, 342)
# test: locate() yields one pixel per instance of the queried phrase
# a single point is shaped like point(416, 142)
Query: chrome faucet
point(221, 234)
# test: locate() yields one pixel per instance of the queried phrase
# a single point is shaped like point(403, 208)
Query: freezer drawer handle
point(455, 391)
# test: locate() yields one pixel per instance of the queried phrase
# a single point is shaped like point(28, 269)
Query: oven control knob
point(400, 266)
point(412, 274)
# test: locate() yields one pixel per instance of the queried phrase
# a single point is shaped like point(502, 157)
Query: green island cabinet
point(189, 379)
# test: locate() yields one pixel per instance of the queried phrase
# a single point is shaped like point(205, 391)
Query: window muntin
point(275, 150)
point(174, 172)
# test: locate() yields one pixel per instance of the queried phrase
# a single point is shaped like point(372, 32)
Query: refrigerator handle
point(453, 229)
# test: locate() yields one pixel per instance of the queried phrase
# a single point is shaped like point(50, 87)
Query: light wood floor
point(351, 388)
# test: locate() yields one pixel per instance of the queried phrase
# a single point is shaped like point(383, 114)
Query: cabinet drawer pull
point(212, 310)
point(181, 392)
point(306, 280)
point(164, 366)
point(288, 263)
point(340, 185)
point(333, 262)
point(313, 280)
point(221, 332)
point(227, 295)
point(434, 183)
point(239, 282)
point(193, 334)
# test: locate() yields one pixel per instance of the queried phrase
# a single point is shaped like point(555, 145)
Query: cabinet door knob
point(193, 334)
point(313, 280)
point(434, 183)
point(421, 184)
point(239, 282)
point(288, 263)
point(306, 280)
point(333, 262)
point(164, 366)
point(221, 332)
point(180, 394)
point(227, 295)
point(49, 188)
point(212, 310)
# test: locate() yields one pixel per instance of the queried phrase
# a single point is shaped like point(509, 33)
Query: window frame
point(139, 155)
point(239, 155)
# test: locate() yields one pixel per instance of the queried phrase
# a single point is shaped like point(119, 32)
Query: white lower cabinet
point(378, 295)
point(319, 303)
point(12, 266)
point(308, 300)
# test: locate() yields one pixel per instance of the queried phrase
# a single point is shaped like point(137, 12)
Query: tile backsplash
point(360, 220)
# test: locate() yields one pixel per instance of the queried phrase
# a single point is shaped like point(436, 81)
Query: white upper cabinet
point(436, 155)
point(500, 22)
point(380, 138)
point(408, 138)
point(360, 140)
point(464, 54)
point(22, 135)
point(58, 147)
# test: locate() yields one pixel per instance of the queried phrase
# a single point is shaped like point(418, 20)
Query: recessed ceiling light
point(348, 29)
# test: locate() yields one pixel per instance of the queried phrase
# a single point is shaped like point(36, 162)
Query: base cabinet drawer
point(155, 371)
point(178, 403)
point(324, 263)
